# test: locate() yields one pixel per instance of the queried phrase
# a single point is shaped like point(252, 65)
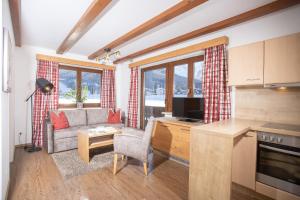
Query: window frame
point(79, 71)
point(169, 81)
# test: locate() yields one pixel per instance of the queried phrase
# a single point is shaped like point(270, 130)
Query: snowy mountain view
point(155, 84)
point(67, 83)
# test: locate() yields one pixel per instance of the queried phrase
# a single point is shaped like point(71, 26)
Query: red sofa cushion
point(114, 117)
point(60, 121)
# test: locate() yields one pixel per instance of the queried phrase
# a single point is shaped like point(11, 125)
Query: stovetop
point(288, 127)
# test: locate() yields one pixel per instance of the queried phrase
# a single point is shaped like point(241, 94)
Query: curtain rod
point(182, 51)
point(69, 61)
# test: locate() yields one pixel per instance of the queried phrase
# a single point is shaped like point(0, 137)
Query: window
point(197, 82)
point(79, 84)
point(180, 85)
point(91, 86)
point(67, 84)
point(155, 87)
point(182, 78)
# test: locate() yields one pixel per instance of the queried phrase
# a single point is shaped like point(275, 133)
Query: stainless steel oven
point(278, 161)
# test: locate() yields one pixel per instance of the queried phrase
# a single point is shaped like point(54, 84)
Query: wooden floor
point(36, 177)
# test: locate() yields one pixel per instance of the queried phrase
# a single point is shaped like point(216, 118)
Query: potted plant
point(79, 99)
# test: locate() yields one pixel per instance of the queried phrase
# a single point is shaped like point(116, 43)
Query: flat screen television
point(188, 109)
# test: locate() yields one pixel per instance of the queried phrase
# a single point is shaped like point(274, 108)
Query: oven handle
point(279, 150)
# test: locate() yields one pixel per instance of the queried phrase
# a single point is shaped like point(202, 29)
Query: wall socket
point(20, 134)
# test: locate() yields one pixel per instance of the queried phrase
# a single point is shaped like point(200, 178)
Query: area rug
point(70, 164)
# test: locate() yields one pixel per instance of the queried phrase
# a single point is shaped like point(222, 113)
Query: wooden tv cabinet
point(172, 137)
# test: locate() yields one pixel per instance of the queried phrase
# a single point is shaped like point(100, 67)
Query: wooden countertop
point(174, 121)
point(235, 127)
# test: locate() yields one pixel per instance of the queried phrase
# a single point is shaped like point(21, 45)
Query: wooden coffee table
point(90, 140)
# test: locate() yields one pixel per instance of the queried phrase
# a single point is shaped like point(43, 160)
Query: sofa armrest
point(48, 136)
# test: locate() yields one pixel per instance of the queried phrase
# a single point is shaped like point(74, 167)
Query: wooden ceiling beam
point(249, 15)
point(83, 25)
point(183, 51)
point(15, 14)
point(174, 11)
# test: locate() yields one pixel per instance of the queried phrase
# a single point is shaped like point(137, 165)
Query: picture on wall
point(6, 65)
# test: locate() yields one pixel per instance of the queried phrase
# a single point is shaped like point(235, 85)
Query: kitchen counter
point(175, 121)
point(236, 127)
point(211, 154)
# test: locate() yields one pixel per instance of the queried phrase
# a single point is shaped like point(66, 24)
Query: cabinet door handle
point(252, 79)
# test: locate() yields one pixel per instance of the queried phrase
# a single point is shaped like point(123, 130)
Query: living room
point(111, 99)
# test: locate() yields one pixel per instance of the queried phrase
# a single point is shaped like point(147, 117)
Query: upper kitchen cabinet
point(246, 64)
point(282, 60)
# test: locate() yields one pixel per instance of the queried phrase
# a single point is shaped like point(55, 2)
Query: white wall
point(273, 25)
point(7, 110)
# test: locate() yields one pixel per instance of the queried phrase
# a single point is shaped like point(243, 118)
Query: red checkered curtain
point(215, 89)
point(133, 98)
point(44, 102)
point(108, 99)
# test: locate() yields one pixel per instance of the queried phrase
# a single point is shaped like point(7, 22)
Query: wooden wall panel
point(282, 106)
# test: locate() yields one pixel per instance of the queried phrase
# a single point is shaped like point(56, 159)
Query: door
point(161, 83)
point(154, 93)
point(244, 160)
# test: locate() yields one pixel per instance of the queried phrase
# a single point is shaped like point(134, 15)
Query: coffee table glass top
point(102, 131)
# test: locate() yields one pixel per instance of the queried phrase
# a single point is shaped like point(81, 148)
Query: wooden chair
point(134, 143)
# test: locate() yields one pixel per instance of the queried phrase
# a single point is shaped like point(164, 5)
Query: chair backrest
point(147, 135)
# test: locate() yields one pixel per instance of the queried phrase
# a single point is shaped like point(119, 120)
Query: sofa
point(79, 119)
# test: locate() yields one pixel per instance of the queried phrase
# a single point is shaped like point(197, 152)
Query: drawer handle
point(252, 79)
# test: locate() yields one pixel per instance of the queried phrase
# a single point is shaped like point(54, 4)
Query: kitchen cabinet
point(246, 64)
point(173, 139)
point(244, 160)
point(282, 60)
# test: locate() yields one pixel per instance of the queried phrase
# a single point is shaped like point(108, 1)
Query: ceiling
point(46, 23)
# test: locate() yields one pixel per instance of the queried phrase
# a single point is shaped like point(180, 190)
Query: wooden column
point(210, 166)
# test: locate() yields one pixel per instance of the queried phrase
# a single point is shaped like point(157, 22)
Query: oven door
point(279, 166)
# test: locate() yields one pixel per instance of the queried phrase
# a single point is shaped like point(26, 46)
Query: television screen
point(189, 108)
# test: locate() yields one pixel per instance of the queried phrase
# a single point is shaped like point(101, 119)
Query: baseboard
point(7, 190)
point(22, 145)
point(9, 181)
